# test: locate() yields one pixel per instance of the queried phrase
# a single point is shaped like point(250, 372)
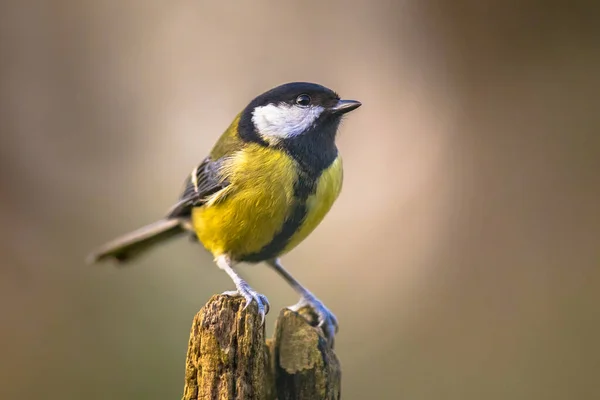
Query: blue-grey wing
point(204, 181)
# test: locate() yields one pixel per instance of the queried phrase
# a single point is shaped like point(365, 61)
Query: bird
point(268, 182)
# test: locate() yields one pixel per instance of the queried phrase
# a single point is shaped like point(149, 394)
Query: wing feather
point(204, 181)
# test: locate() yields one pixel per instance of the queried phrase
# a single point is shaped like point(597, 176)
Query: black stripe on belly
point(314, 151)
point(303, 187)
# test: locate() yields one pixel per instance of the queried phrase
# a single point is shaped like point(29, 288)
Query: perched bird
point(267, 183)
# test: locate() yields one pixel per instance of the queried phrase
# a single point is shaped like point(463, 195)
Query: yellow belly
point(247, 216)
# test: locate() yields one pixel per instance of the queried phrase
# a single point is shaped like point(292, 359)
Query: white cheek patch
point(283, 120)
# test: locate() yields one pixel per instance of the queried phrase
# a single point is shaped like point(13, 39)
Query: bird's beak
point(344, 106)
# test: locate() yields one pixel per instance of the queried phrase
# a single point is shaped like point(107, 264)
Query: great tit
point(266, 185)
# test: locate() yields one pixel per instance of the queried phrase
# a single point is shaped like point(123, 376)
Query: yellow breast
point(257, 216)
point(242, 218)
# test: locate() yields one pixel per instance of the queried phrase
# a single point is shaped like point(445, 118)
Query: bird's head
point(294, 109)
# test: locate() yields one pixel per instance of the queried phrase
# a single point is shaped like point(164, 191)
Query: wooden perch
point(229, 359)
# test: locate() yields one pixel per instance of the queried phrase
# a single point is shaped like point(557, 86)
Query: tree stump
point(229, 359)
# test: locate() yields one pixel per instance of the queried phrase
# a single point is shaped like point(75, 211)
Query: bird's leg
point(243, 289)
point(327, 321)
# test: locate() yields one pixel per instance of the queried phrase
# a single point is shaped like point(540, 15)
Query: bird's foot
point(327, 320)
point(250, 295)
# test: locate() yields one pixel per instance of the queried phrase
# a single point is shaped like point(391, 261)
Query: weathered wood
point(227, 356)
point(229, 359)
point(305, 365)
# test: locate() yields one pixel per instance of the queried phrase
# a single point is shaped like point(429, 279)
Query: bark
point(228, 357)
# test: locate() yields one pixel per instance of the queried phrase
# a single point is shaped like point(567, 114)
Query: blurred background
point(462, 259)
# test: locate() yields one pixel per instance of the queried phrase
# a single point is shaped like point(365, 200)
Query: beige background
point(462, 258)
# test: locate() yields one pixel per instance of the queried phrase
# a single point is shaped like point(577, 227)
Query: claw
point(327, 320)
point(251, 295)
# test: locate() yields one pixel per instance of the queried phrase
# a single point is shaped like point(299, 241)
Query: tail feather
point(126, 247)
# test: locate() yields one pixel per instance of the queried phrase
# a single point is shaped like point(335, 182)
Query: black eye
point(303, 100)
